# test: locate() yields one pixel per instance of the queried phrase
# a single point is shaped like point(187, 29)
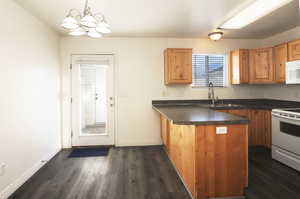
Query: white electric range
point(286, 136)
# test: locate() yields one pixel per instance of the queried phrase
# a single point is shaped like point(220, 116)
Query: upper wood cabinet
point(294, 50)
point(239, 63)
point(261, 65)
point(280, 59)
point(178, 66)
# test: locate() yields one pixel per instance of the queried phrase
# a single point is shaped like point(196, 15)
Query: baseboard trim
point(124, 144)
point(11, 188)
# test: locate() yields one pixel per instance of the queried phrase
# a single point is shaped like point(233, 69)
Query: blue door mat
point(89, 152)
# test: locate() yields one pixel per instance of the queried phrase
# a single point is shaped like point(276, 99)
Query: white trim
point(137, 143)
point(11, 188)
point(95, 59)
point(66, 95)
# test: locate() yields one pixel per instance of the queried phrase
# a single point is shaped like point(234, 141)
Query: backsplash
point(282, 92)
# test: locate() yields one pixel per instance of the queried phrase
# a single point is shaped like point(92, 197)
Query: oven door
point(286, 133)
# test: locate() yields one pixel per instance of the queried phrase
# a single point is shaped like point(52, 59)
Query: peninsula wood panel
point(178, 66)
point(165, 125)
point(294, 50)
point(280, 59)
point(183, 153)
point(210, 165)
point(223, 155)
point(261, 66)
point(239, 65)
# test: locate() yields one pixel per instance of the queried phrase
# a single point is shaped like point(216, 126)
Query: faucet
point(211, 93)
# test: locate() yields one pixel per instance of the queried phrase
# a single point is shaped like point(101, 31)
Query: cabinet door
point(280, 58)
point(239, 66)
point(261, 65)
point(254, 126)
point(244, 66)
point(260, 131)
point(235, 67)
point(178, 66)
point(294, 50)
point(267, 131)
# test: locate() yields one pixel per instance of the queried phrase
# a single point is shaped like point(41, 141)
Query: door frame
point(114, 90)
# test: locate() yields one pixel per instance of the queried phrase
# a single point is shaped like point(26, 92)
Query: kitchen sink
point(224, 106)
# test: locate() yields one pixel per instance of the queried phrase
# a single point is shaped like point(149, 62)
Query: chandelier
point(78, 24)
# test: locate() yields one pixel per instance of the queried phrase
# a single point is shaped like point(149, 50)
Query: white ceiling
point(167, 18)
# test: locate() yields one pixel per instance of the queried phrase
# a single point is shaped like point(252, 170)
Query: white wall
point(140, 79)
point(284, 92)
point(30, 101)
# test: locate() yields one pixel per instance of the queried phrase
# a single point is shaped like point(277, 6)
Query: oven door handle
point(286, 117)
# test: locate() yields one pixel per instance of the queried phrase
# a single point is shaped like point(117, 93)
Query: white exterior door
point(92, 100)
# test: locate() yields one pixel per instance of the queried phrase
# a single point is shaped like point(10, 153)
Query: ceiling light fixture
point(255, 11)
point(93, 25)
point(215, 36)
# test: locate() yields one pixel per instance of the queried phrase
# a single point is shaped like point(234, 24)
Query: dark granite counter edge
point(260, 103)
point(242, 121)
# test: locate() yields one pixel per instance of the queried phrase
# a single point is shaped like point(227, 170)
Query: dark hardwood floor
point(127, 173)
point(269, 179)
point(146, 173)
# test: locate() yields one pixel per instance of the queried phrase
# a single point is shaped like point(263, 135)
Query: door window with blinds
point(208, 68)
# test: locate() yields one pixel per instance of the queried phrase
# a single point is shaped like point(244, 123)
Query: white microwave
point(292, 72)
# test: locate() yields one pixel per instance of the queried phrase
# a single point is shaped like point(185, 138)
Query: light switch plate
point(221, 130)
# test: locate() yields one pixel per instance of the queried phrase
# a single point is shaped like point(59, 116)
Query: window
point(208, 68)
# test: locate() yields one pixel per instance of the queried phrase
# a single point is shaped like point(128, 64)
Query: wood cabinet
point(178, 66)
point(165, 132)
point(239, 66)
point(261, 65)
point(260, 130)
point(260, 126)
point(210, 164)
point(294, 50)
point(280, 59)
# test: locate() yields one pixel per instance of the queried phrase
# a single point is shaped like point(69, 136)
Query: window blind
point(208, 68)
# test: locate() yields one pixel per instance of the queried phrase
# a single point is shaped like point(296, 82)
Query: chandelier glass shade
point(86, 23)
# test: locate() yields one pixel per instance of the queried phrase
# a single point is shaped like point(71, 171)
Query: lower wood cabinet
point(210, 165)
point(260, 130)
point(260, 126)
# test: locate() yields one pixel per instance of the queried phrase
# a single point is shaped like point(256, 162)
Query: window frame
point(225, 70)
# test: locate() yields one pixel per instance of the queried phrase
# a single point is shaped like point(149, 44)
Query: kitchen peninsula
point(208, 145)
point(209, 149)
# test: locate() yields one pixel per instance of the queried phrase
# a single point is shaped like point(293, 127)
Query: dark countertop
point(190, 115)
point(199, 112)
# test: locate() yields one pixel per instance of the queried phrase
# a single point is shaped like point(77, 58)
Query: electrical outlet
point(221, 130)
point(2, 169)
